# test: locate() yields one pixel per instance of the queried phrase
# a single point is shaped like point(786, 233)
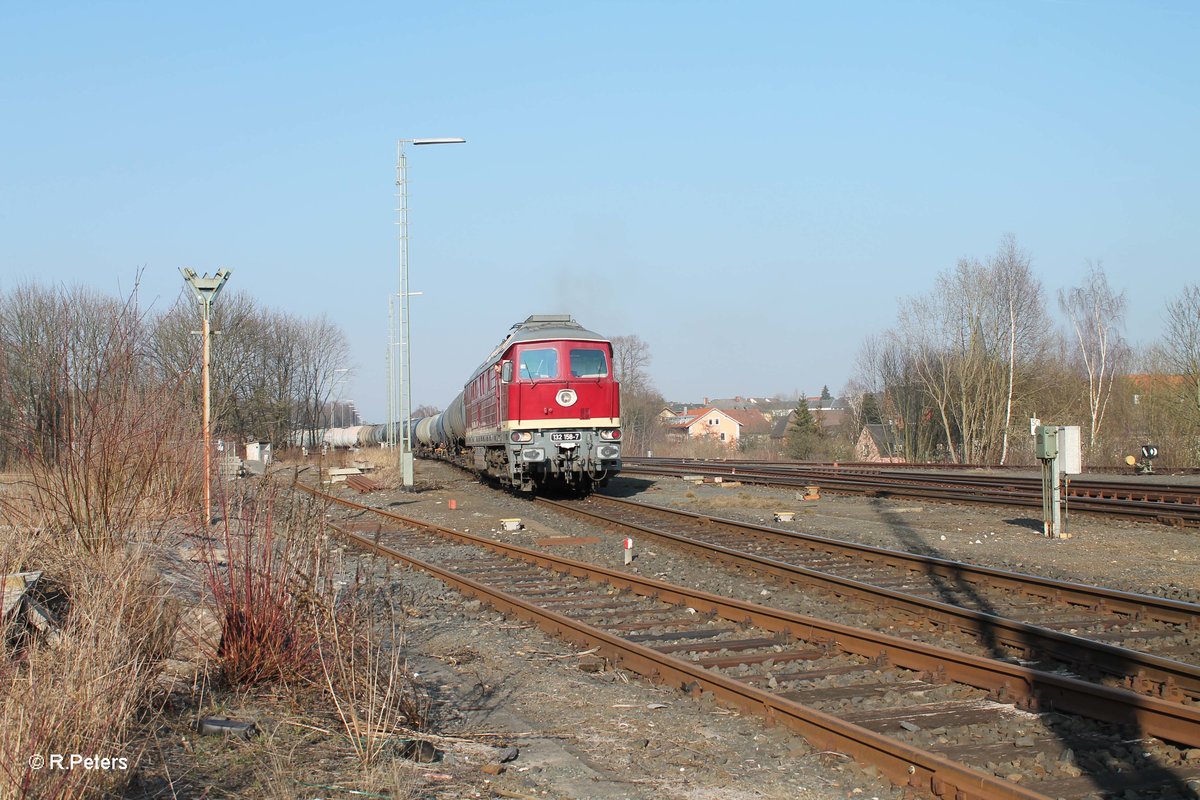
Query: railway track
point(1168, 503)
point(943, 723)
point(1147, 644)
point(917, 466)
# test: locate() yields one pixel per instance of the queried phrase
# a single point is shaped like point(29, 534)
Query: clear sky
point(749, 187)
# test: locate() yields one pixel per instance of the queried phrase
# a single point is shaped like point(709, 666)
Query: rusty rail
point(902, 762)
point(1143, 672)
point(1174, 504)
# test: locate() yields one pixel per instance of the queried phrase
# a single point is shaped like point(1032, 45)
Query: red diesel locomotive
point(543, 410)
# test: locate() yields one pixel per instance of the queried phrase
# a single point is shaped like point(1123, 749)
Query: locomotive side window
point(539, 364)
point(588, 364)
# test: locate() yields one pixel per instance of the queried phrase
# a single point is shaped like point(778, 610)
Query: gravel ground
point(612, 735)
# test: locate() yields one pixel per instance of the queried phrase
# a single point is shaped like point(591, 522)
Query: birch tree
point(1097, 313)
point(1022, 307)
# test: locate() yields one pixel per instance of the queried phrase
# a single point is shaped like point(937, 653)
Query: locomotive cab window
point(538, 365)
point(588, 363)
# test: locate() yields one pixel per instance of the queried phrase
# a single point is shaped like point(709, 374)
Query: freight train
point(542, 411)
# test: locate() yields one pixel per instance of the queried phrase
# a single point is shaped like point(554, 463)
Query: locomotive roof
point(540, 328)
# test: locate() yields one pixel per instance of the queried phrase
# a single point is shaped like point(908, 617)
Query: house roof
point(1151, 381)
point(751, 421)
point(884, 436)
point(691, 418)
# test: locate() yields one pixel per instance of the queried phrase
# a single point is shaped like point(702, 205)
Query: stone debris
point(19, 603)
point(15, 586)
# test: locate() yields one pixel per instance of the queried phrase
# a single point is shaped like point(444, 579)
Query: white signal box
point(1070, 450)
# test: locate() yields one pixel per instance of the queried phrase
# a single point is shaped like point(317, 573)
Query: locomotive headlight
point(611, 436)
point(521, 436)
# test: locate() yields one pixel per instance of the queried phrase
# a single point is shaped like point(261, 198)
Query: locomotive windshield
point(588, 363)
point(540, 364)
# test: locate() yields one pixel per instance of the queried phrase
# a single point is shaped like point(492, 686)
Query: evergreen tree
point(804, 434)
point(826, 397)
point(871, 415)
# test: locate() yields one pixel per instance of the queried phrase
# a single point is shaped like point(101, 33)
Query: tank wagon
point(543, 410)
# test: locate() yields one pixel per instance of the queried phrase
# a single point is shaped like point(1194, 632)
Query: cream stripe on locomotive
point(496, 436)
point(554, 422)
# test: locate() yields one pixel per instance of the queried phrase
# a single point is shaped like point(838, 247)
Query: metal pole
point(205, 311)
point(391, 372)
point(404, 370)
point(1057, 499)
point(406, 456)
point(206, 290)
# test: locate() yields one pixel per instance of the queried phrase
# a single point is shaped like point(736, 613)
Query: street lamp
point(206, 290)
point(404, 371)
point(342, 373)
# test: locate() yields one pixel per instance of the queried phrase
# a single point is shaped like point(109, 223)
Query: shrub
point(262, 581)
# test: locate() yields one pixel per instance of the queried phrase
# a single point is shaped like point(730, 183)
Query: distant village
point(768, 426)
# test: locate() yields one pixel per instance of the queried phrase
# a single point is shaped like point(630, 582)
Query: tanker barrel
point(454, 420)
point(423, 430)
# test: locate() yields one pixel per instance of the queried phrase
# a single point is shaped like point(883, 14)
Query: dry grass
point(285, 620)
point(107, 445)
point(360, 641)
point(98, 455)
point(82, 692)
point(392, 779)
point(384, 468)
point(102, 462)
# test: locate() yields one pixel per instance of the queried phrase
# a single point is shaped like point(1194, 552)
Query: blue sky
point(748, 187)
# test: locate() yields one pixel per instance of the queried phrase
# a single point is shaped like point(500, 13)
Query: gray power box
point(1070, 450)
point(1045, 442)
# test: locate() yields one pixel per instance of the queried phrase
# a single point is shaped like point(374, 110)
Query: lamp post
point(342, 374)
point(206, 290)
point(403, 372)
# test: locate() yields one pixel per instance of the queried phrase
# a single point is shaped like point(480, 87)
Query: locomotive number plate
point(566, 437)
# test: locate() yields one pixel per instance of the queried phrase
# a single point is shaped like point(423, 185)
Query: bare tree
point(1180, 351)
point(1097, 313)
point(321, 352)
point(1023, 308)
point(631, 358)
point(640, 401)
point(950, 339)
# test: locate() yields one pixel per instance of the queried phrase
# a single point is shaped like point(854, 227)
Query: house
point(704, 422)
point(879, 444)
point(831, 418)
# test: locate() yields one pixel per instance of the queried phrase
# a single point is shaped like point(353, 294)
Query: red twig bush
point(262, 570)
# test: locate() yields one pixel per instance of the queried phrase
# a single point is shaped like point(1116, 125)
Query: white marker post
point(628, 550)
